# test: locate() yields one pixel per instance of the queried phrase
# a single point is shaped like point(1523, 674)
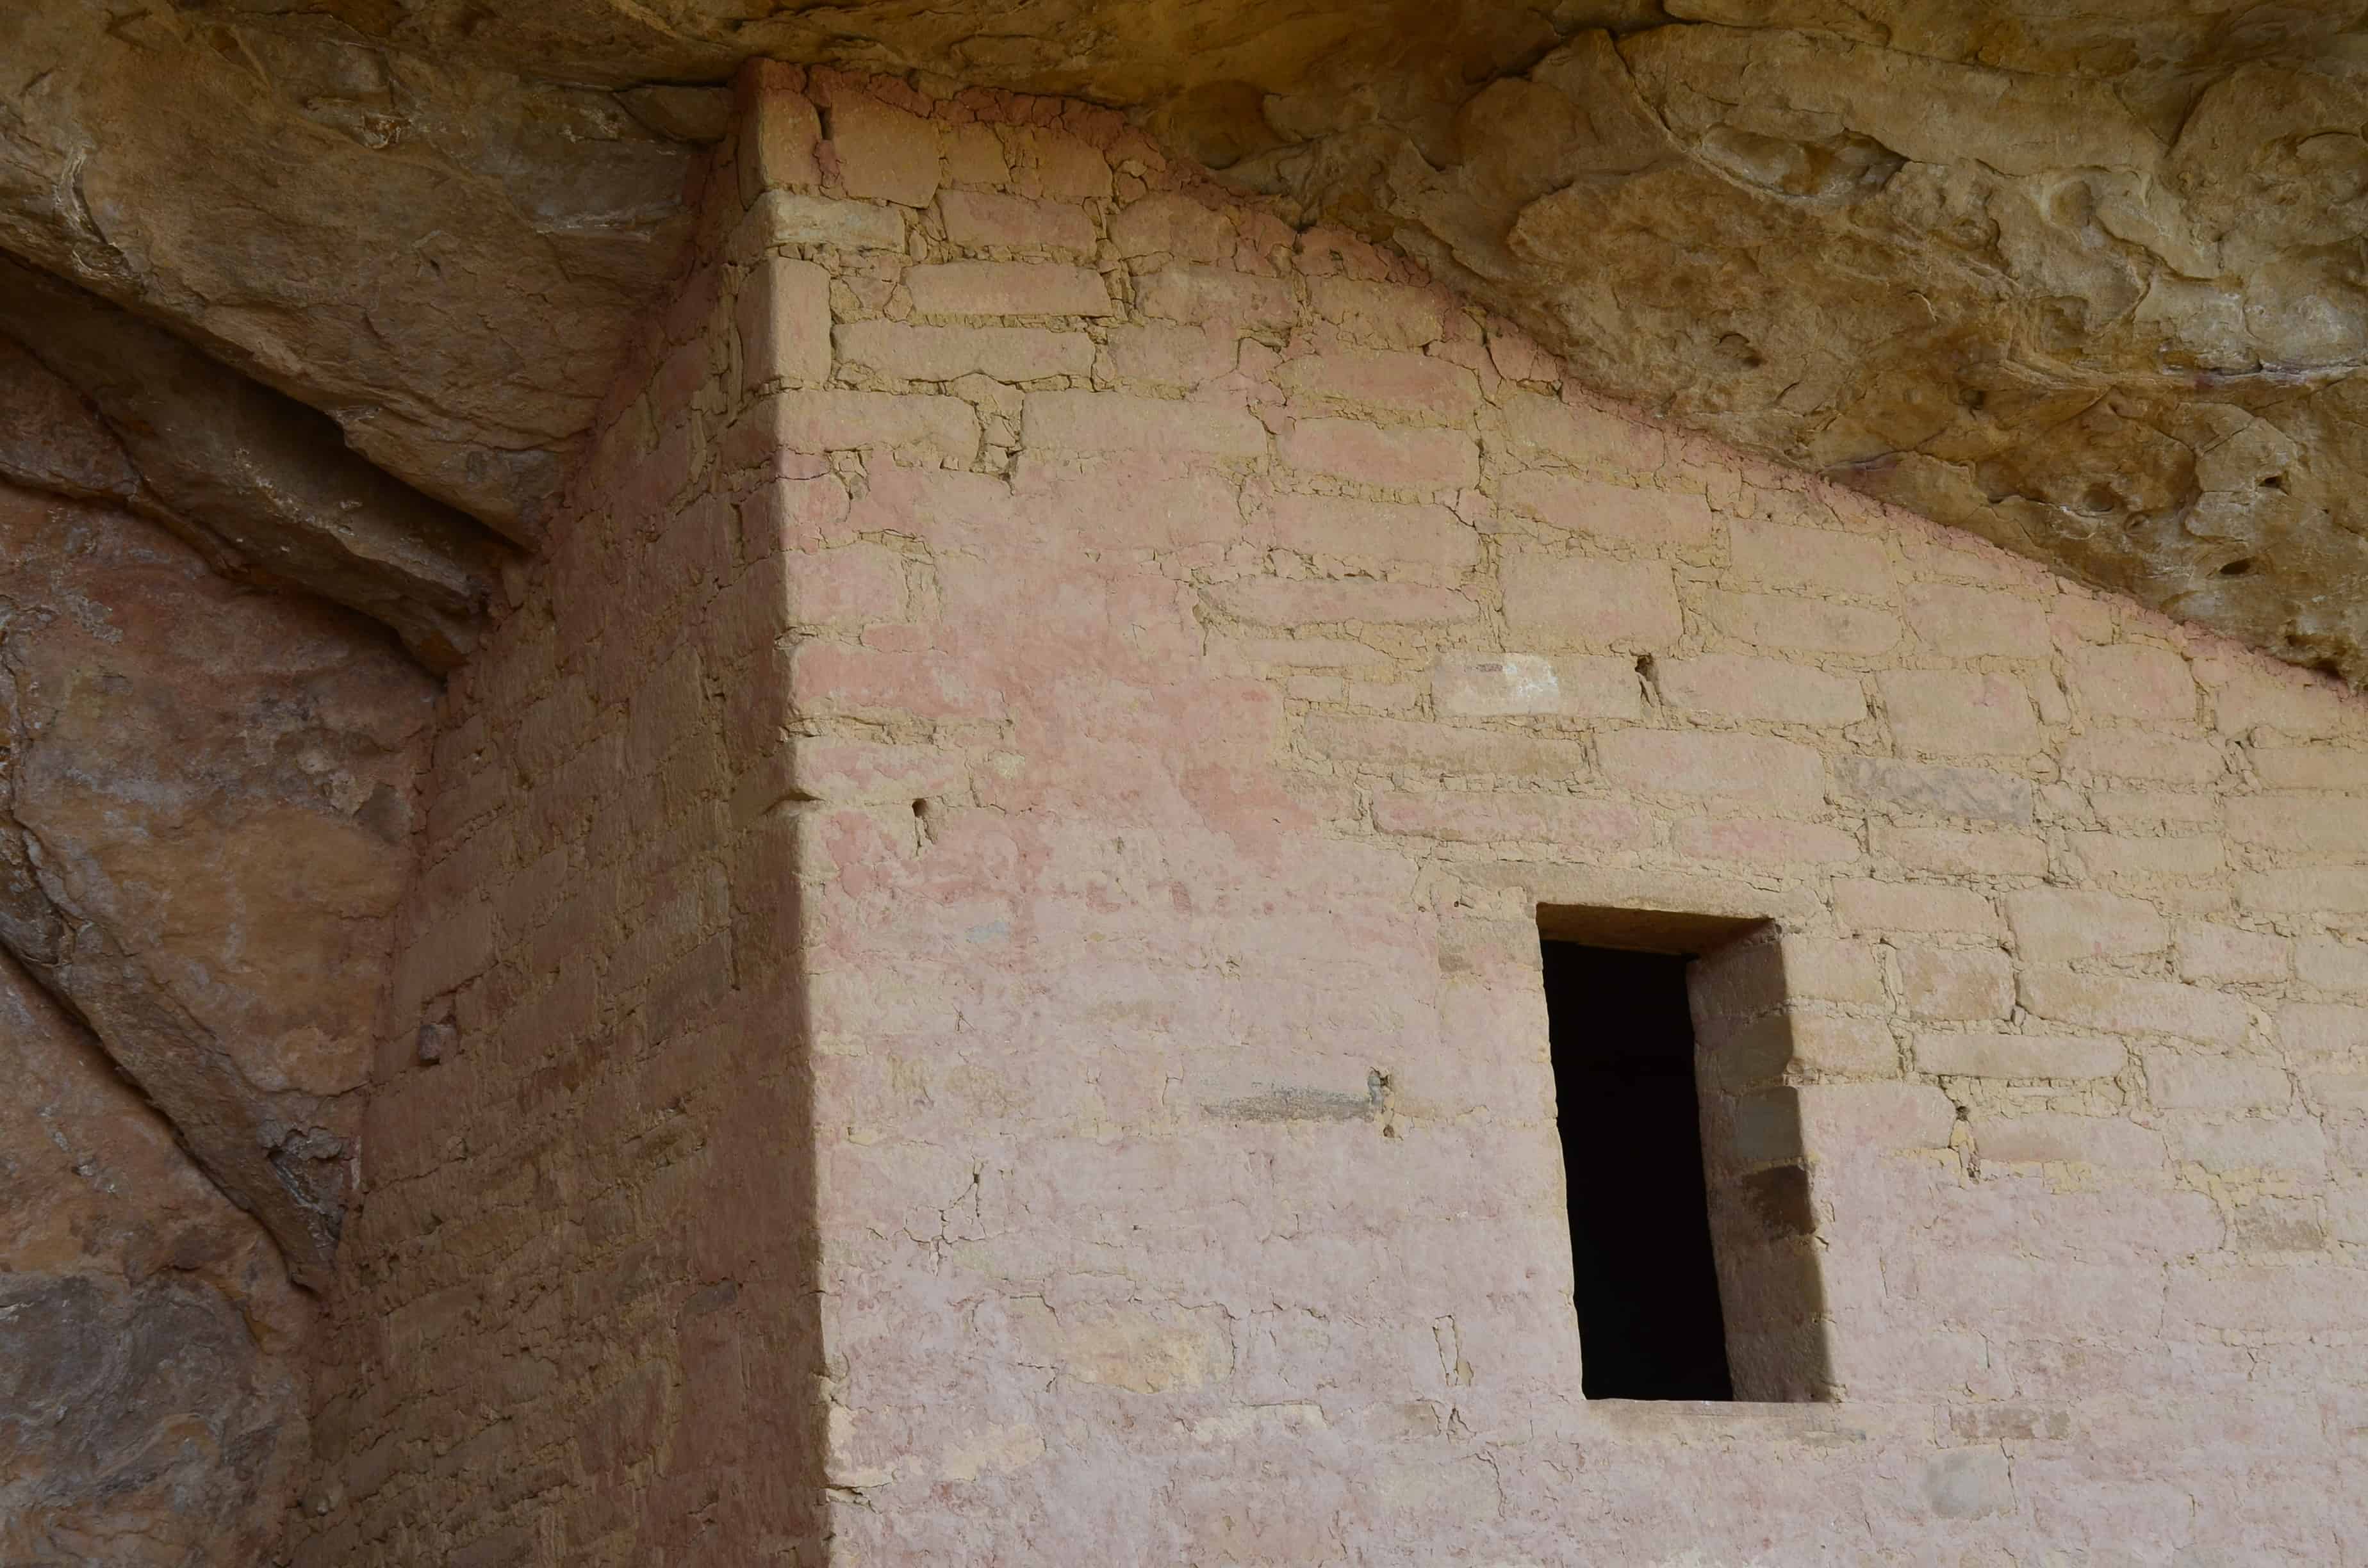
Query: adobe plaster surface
point(1048, 678)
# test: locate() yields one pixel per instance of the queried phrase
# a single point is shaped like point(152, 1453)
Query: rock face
point(2084, 283)
point(205, 808)
point(441, 256)
point(2092, 294)
point(259, 482)
point(151, 1408)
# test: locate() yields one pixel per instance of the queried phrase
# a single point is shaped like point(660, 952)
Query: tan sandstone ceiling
point(2086, 279)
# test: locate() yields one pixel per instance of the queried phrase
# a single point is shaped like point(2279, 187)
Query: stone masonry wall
point(571, 1319)
point(1203, 651)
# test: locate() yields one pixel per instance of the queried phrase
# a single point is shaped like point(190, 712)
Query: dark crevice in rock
point(267, 484)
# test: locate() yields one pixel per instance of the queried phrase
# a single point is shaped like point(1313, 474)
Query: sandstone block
point(1442, 748)
point(1391, 314)
point(778, 129)
point(1171, 355)
point(1104, 421)
point(1280, 601)
point(1171, 223)
point(1750, 768)
point(1537, 427)
point(1517, 357)
point(1957, 713)
point(2332, 964)
point(1950, 851)
point(2277, 1298)
point(2158, 758)
point(1396, 381)
point(2311, 768)
point(2257, 697)
point(2055, 1138)
point(945, 353)
point(974, 155)
point(2183, 1081)
point(1827, 1042)
point(1237, 301)
point(1937, 791)
point(1477, 818)
point(1502, 685)
point(1311, 652)
point(884, 153)
point(2112, 1002)
point(1763, 554)
point(1577, 600)
point(2059, 925)
point(980, 219)
point(1957, 983)
point(2121, 857)
point(2294, 1144)
point(830, 421)
point(1965, 622)
point(1772, 689)
point(792, 217)
point(1821, 969)
point(1068, 169)
point(2132, 681)
point(2142, 810)
point(783, 313)
point(1843, 1118)
point(2302, 823)
point(1762, 842)
point(1328, 526)
point(1808, 626)
point(2323, 1031)
point(1879, 908)
point(1008, 289)
point(1657, 519)
point(2311, 890)
point(1369, 454)
point(2213, 952)
point(1132, 502)
point(1993, 1055)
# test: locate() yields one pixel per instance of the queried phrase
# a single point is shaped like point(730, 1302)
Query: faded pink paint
point(1085, 883)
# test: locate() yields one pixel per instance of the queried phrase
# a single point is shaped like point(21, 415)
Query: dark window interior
point(1623, 1064)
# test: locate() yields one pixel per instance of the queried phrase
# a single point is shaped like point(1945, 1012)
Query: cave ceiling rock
point(2085, 281)
point(440, 254)
point(99, 404)
point(2115, 330)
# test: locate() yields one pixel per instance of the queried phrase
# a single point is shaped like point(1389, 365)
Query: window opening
point(1645, 1280)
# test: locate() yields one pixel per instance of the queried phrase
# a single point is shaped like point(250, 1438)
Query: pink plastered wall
point(1184, 653)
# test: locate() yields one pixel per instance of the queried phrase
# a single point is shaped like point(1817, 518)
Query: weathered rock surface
point(2084, 282)
point(2089, 290)
point(205, 807)
point(151, 1411)
point(440, 255)
point(260, 483)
